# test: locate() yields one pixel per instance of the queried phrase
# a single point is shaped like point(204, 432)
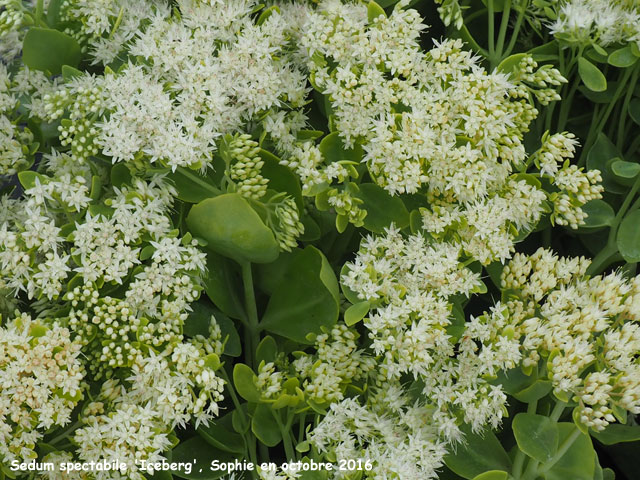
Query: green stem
point(195, 178)
point(516, 29)
point(66, 433)
point(286, 437)
point(560, 453)
point(491, 30)
point(252, 334)
point(301, 428)
point(39, 11)
point(503, 32)
point(249, 440)
point(625, 104)
point(518, 463)
point(557, 411)
point(601, 123)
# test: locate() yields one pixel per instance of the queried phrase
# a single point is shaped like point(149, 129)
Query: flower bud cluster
point(538, 81)
point(80, 103)
point(245, 165)
point(580, 330)
point(42, 380)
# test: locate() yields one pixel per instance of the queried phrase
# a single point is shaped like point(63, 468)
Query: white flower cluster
point(336, 363)
point(416, 335)
point(576, 187)
point(178, 384)
point(396, 435)
point(33, 258)
point(104, 28)
point(129, 433)
point(15, 141)
point(42, 380)
point(206, 71)
point(429, 122)
point(582, 330)
point(604, 22)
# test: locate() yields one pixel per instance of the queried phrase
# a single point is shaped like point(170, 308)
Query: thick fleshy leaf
point(623, 57)
point(193, 187)
point(305, 300)
point(599, 214)
point(267, 350)
point(493, 475)
point(374, 11)
point(578, 463)
point(382, 209)
point(625, 169)
point(334, 150)
point(264, 426)
point(592, 77)
point(537, 435)
point(616, 433)
point(244, 380)
point(533, 392)
point(601, 155)
point(220, 434)
point(509, 64)
point(48, 50)
point(628, 238)
point(223, 285)
point(233, 229)
point(281, 178)
point(479, 454)
point(356, 312)
point(198, 454)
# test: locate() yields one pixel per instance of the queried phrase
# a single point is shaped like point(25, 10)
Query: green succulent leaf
point(592, 77)
point(305, 300)
point(622, 58)
point(536, 435)
point(199, 451)
point(599, 214)
point(578, 463)
point(628, 237)
point(265, 427)
point(48, 50)
point(233, 229)
point(245, 382)
point(382, 209)
point(479, 454)
point(616, 433)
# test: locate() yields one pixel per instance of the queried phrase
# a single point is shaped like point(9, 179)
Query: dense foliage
point(308, 232)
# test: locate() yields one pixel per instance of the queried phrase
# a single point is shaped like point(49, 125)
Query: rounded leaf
point(622, 57)
point(599, 214)
point(356, 312)
point(536, 435)
point(628, 238)
point(492, 475)
point(592, 77)
point(305, 300)
point(479, 454)
point(579, 461)
point(48, 50)
point(625, 169)
point(245, 382)
point(233, 229)
point(265, 427)
point(616, 433)
point(382, 209)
